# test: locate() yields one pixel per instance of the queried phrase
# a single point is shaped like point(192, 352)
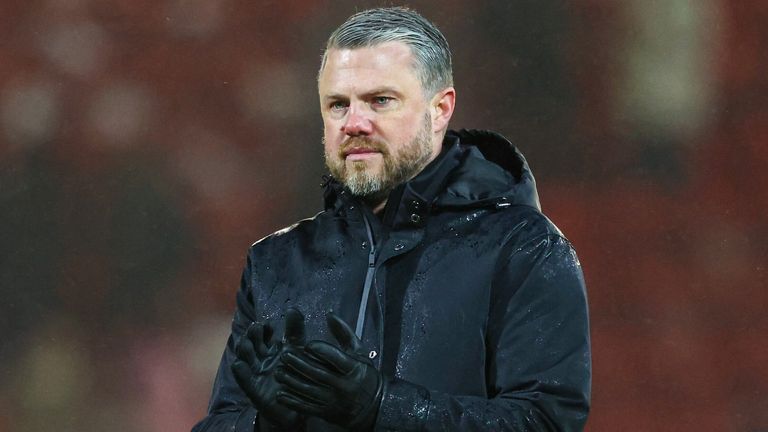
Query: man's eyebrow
point(382, 89)
point(369, 93)
point(334, 96)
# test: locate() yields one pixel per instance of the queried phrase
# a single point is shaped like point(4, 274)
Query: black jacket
point(473, 303)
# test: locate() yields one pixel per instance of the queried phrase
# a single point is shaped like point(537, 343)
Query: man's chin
point(363, 170)
point(370, 165)
point(363, 183)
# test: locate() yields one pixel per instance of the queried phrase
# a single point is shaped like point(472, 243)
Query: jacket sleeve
point(229, 408)
point(538, 365)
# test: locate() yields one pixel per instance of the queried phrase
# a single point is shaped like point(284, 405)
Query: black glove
point(254, 369)
point(337, 384)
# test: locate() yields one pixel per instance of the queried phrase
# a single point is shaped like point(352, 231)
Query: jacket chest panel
point(321, 276)
point(436, 301)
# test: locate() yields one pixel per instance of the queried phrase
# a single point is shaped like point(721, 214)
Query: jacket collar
point(475, 169)
point(410, 203)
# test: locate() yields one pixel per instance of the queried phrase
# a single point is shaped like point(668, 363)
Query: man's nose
point(357, 123)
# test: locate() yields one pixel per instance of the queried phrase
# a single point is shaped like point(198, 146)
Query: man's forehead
point(359, 69)
point(381, 55)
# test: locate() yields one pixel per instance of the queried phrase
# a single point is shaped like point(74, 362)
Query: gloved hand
point(254, 369)
point(337, 384)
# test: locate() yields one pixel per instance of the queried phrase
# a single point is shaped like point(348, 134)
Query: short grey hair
point(432, 56)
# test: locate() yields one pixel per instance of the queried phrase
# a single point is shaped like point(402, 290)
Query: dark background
point(144, 145)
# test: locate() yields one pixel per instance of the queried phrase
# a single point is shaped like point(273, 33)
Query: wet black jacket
point(473, 303)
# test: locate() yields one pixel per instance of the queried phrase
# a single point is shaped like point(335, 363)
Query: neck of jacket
point(476, 169)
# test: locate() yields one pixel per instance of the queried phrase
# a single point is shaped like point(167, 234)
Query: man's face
point(377, 125)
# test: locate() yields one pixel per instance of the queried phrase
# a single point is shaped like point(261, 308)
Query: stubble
point(397, 167)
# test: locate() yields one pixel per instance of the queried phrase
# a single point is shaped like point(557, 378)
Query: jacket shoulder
point(291, 232)
point(523, 223)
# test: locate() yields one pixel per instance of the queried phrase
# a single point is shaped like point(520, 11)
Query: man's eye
point(337, 106)
point(381, 100)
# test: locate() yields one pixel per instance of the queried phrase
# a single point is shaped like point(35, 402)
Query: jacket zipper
point(368, 280)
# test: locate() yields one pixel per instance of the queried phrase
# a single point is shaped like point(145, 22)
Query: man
point(431, 294)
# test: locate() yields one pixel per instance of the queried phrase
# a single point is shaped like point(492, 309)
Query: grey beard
point(361, 183)
point(369, 188)
point(398, 167)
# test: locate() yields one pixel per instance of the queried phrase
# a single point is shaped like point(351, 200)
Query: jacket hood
point(475, 169)
point(492, 172)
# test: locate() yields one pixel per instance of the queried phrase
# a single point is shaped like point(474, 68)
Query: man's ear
point(442, 105)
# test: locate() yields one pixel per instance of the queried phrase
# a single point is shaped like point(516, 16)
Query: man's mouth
point(357, 152)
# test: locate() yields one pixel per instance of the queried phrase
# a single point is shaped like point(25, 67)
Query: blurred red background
point(144, 145)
